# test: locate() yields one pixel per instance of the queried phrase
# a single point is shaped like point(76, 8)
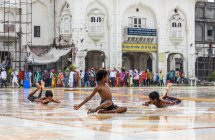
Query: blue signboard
point(142, 32)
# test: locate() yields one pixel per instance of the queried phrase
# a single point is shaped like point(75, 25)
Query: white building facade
point(133, 34)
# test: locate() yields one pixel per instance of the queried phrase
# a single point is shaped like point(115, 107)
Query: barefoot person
point(45, 100)
point(165, 101)
point(107, 105)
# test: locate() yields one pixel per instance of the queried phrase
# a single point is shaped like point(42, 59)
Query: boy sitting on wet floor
point(165, 101)
point(45, 100)
point(106, 105)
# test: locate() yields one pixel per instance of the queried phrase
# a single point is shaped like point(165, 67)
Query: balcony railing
point(205, 51)
point(96, 32)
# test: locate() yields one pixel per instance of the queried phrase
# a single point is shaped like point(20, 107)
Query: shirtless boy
point(106, 105)
point(45, 100)
point(164, 101)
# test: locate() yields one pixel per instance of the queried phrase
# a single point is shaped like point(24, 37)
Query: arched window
point(199, 13)
point(136, 22)
point(199, 32)
point(174, 24)
point(99, 19)
point(96, 24)
point(66, 25)
point(177, 24)
point(93, 19)
point(176, 29)
point(179, 30)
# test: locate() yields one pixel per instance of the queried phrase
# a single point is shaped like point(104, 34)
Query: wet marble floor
point(194, 119)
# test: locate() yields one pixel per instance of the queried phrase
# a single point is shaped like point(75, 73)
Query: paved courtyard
point(194, 119)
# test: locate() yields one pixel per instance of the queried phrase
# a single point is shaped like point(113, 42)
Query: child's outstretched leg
point(167, 89)
point(42, 88)
point(102, 109)
point(42, 84)
point(104, 105)
point(31, 96)
point(38, 87)
point(173, 99)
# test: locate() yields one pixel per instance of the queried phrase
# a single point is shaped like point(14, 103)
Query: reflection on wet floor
point(193, 119)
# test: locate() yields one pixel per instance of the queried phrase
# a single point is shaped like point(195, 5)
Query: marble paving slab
point(194, 119)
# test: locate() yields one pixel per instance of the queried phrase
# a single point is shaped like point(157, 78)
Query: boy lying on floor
point(106, 105)
point(45, 100)
point(164, 101)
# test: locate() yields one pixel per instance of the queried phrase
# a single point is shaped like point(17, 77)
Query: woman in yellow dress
point(53, 82)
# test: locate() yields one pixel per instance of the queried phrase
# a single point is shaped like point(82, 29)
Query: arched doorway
point(137, 60)
point(95, 59)
point(128, 61)
point(175, 62)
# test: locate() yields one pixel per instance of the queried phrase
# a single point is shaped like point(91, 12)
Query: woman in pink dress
point(122, 78)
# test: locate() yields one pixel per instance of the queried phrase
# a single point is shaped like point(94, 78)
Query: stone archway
point(95, 59)
point(128, 61)
point(137, 60)
point(175, 62)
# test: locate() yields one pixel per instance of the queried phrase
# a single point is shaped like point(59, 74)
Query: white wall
point(40, 17)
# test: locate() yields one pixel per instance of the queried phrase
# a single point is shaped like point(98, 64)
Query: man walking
point(15, 78)
point(113, 77)
point(71, 79)
point(4, 78)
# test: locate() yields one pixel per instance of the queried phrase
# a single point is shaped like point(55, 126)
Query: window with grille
point(176, 30)
point(93, 19)
point(99, 19)
point(136, 22)
point(210, 32)
point(96, 25)
point(36, 31)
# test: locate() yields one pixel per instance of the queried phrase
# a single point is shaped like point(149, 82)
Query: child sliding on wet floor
point(106, 105)
point(45, 100)
point(165, 101)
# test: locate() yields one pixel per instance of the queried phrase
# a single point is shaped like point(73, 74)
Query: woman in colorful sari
point(60, 79)
point(122, 78)
point(77, 79)
point(53, 82)
point(117, 79)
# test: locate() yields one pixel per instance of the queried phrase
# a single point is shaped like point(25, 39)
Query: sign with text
point(142, 32)
point(140, 39)
point(139, 47)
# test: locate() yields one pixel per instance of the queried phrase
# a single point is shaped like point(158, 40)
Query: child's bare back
point(164, 101)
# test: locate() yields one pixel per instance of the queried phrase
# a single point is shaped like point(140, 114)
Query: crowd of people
point(72, 78)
